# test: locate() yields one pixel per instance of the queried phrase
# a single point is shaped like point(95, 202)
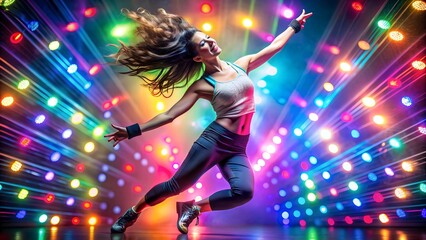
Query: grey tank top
point(233, 98)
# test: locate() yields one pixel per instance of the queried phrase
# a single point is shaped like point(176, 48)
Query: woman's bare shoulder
point(243, 62)
point(202, 87)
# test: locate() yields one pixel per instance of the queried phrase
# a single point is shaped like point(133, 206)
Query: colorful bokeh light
point(72, 27)
point(16, 37)
point(396, 35)
point(206, 8)
point(357, 6)
point(384, 24)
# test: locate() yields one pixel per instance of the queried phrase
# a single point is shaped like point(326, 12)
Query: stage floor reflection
point(207, 233)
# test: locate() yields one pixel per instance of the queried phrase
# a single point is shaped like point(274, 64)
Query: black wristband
point(295, 25)
point(133, 130)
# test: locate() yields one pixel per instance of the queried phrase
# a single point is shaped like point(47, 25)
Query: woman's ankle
point(134, 209)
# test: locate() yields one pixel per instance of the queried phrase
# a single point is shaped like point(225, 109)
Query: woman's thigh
point(195, 164)
point(238, 172)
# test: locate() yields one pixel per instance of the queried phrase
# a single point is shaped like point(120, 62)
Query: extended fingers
point(115, 136)
point(109, 135)
point(117, 141)
point(308, 15)
point(304, 16)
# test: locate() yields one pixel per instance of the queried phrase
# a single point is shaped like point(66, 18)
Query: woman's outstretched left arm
point(251, 62)
point(191, 95)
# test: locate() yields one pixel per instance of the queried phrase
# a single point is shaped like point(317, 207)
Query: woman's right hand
point(118, 135)
point(302, 18)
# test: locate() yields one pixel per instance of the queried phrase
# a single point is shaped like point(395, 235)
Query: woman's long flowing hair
point(163, 58)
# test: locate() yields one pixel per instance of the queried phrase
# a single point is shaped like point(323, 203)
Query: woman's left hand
point(302, 18)
point(118, 135)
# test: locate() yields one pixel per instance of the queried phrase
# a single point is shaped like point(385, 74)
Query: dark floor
point(204, 233)
point(207, 233)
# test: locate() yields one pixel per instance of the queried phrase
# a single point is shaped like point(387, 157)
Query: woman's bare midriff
point(238, 125)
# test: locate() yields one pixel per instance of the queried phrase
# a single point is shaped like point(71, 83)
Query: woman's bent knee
point(243, 196)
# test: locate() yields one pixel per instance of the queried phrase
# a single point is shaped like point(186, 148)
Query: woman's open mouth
point(214, 48)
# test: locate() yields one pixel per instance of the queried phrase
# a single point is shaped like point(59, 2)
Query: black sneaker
point(125, 221)
point(187, 212)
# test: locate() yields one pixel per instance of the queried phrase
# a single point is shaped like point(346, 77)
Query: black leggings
point(216, 146)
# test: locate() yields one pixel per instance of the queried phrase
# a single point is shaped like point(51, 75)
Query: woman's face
point(206, 46)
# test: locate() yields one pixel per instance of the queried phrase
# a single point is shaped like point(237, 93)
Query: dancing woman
point(178, 51)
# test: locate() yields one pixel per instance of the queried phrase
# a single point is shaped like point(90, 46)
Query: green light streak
point(247, 32)
point(276, 18)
